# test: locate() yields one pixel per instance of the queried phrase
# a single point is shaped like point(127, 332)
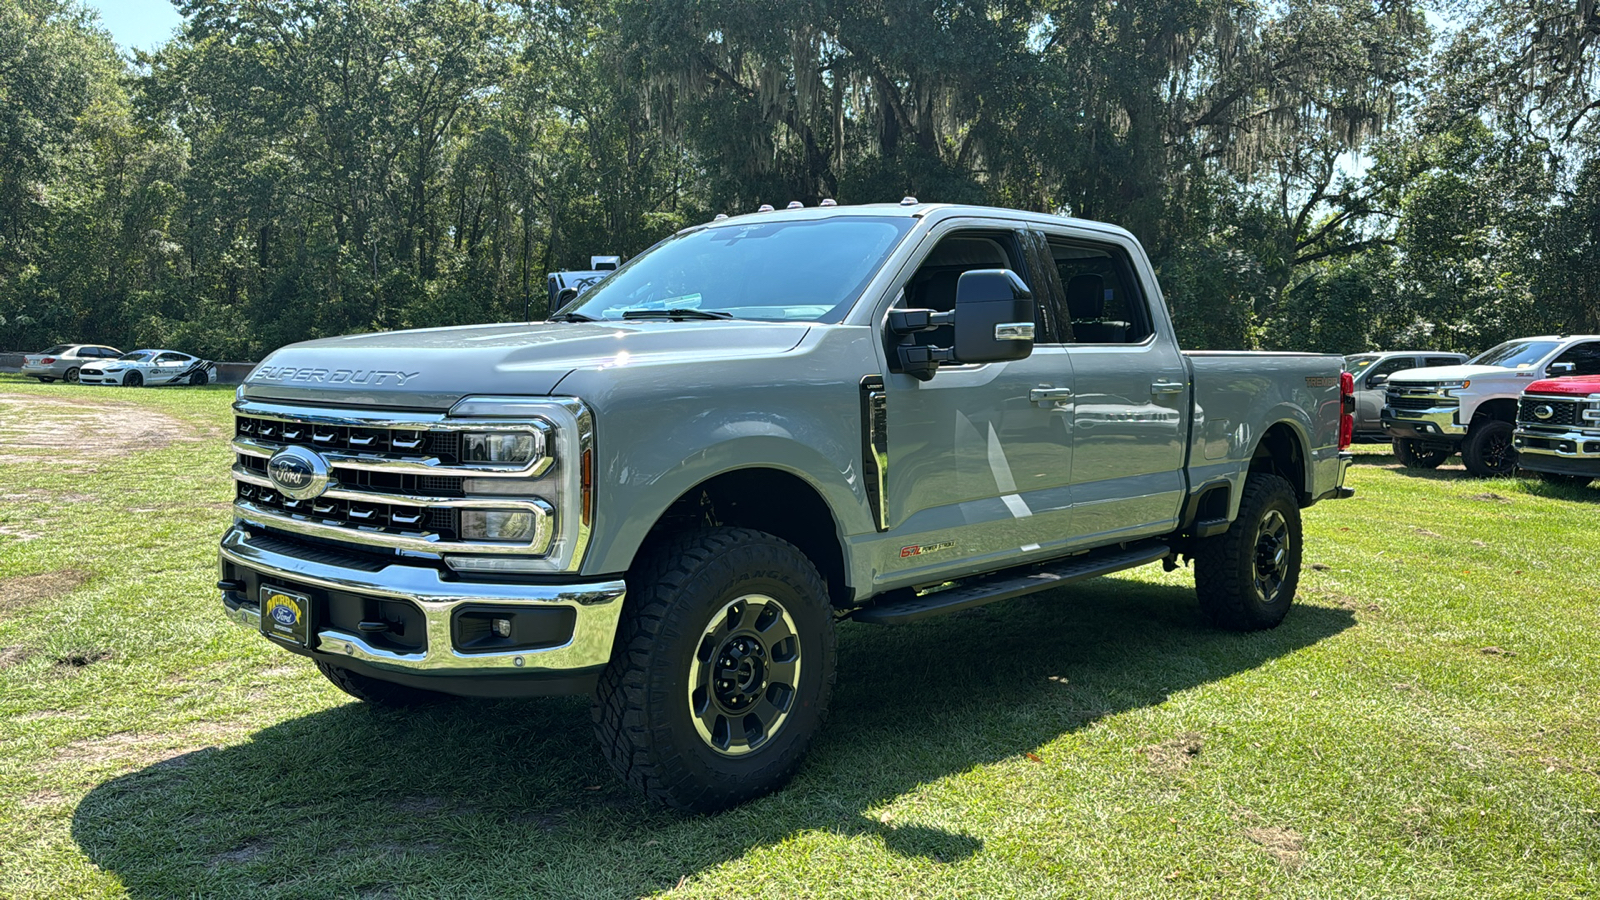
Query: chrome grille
point(406, 441)
point(440, 523)
point(1563, 412)
point(1416, 403)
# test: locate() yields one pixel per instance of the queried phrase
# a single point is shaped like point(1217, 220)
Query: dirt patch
point(76, 430)
point(1175, 754)
point(1282, 844)
point(78, 659)
point(243, 853)
point(10, 656)
point(23, 589)
point(1426, 533)
point(1489, 497)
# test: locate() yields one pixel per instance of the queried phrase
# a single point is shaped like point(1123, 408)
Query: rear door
point(1131, 392)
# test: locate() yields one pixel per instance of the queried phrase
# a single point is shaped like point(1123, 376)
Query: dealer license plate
point(285, 614)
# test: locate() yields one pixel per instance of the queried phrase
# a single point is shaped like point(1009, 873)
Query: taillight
point(1347, 408)
point(47, 360)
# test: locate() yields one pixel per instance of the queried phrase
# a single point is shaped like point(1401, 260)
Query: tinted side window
point(1442, 361)
point(170, 357)
point(1586, 356)
point(1103, 302)
point(1391, 366)
point(933, 285)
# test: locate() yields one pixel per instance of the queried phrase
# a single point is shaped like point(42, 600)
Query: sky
point(137, 24)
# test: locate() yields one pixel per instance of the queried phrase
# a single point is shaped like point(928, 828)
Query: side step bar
point(1008, 583)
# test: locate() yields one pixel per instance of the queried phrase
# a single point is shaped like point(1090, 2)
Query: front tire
point(133, 379)
point(722, 670)
point(378, 693)
point(44, 380)
point(1561, 479)
point(1246, 577)
point(1413, 455)
point(71, 376)
point(1488, 452)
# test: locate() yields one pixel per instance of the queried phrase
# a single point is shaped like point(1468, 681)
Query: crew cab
point(1371, 372)
point(1558, 429)
point(1432, 413)
point(665, 495)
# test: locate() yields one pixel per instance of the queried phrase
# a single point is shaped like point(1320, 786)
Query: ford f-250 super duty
point(667, 493)
point(1558, 429)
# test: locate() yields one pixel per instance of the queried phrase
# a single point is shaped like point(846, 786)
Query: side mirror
point(1376, 380)
point(994, 317)
point(992, 322)
point(1558, 370)
point(567, 295)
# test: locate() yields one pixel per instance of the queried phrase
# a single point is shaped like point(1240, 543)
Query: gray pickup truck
point(668, 493)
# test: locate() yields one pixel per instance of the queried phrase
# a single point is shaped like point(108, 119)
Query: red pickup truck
point(1558, 429)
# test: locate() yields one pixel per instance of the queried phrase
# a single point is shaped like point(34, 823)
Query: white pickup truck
point(1472, 408)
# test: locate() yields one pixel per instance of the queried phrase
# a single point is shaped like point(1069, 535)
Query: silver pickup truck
point(668, 493)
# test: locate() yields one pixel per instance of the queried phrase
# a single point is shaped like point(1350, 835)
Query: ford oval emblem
point(1544, 411)
point(298, 473)
point(284, 615)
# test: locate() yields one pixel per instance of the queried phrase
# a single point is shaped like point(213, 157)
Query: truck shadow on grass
point(514, 799)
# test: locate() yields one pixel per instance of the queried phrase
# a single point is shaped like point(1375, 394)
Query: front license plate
point(285, 614)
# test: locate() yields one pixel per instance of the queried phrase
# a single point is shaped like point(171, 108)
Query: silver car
point(63, 361)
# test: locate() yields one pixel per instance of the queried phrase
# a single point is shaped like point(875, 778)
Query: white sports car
point(151, 367)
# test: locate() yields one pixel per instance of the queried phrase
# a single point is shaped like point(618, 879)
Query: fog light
point(515, 447)
point(496, 525)
point(501, 627)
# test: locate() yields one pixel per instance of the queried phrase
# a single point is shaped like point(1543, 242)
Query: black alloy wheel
point(1413, 455)
point(198, 378)
point(1247, 576)
point(742, 680)
point(1488, 451)
point(133, 379)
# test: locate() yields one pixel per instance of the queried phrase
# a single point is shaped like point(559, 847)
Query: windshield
point(1358, 363)
point(808, 271)
point(1514, 354)
point(137, 355)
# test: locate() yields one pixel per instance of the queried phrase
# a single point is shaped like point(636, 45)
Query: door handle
point(1167, 387)
point(1049, 395)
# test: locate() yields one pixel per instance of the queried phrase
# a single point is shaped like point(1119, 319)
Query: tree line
point(1332, 176)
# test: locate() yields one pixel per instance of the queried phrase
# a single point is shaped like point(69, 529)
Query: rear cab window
point(1104, 303)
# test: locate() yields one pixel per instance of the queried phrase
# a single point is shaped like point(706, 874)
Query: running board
point(1008, 583)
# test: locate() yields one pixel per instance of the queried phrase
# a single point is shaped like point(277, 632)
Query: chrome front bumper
point(597, 607)
point(1438, 421)
point(1582, 445)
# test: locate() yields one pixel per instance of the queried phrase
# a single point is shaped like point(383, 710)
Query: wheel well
point(767, 500)
point(1502, 410)
point(1280, 453)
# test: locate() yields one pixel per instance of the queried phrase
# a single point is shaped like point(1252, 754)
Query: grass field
point(1424, 724)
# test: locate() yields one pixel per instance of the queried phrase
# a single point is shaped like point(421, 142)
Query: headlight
point(497, 525)
point(552, 439)
point(490, 447)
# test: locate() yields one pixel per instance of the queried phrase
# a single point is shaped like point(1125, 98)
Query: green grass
point(1422, 725)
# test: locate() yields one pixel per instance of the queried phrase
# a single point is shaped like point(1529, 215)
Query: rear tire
point(378, 693)
point(1487, 450)
point(722, 669)
point(198, 379)
point(1561, 479)
point(133, 379)
point(1413, 455)
point(1246, 577)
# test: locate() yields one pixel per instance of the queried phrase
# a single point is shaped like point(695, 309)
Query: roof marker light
point(719, 217)
point(795, 204)
point(829, 202)
point(908, 201)
point(765, 207)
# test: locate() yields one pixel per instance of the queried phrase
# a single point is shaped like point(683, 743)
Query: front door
point(979, 456)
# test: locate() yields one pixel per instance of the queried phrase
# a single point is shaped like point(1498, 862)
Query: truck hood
point(433, 368)
point(1448, 373)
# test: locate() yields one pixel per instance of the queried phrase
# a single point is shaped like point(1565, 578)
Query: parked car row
point(1532, 403)
point(97, 364)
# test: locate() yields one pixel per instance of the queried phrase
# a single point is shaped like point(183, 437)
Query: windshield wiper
point(571, 317)
point(680, 313)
